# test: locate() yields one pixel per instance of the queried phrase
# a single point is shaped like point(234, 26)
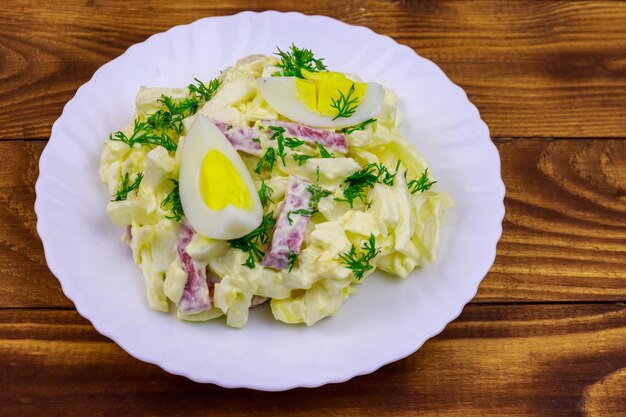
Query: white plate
point(387, 320)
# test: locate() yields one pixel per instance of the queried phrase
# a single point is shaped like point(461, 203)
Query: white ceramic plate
point(387, 320)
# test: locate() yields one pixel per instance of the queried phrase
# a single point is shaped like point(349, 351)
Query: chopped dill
point(323, 151)
point(178, 111)
point(202, 91)
point(359, 262)
point(266, 162)
point(346, 104)
point(127, 187)
point(145, 135)
point(301, 158)
point(360, 126)
point(293, 143)
point(317, 193)
point(300, 212)
point(280, 140)
point(265, 194)
point(250, 242)
point(385, 176)
point(295, 60)
point(421, 184)
point(157, 128)
point(292, 258)
point(358, 183)
point(173, 200)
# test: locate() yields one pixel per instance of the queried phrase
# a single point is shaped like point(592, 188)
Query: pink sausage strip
point(327, 138)
point(240, 137)
point(257, 300)
point(211, 281)
point(289, 237)
point(196, 293)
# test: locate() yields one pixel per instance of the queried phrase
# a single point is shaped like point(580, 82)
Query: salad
point(280, 181)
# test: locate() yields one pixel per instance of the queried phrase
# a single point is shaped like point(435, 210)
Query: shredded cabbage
point(406, 227)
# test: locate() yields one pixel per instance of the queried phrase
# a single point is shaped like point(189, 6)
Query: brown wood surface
point(552, 360)
point(546, 334)
point(533, 68)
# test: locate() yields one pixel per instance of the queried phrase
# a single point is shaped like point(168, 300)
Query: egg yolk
point(318, 90)
point(220, 183)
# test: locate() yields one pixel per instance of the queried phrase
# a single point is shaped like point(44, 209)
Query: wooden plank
point(492, 361)
point(533, 68)
point(564, 231)
point(25, 280)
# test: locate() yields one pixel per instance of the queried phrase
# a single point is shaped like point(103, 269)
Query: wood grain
point(564, 232)
point(492, 361)
point(25, 279)
point(533, 68)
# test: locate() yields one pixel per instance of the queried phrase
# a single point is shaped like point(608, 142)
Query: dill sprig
point(359, 262)
point(266, 162)
point(280, 141)
point(145, 135)
point(358, 183)
point(173, 201)
point(278, 130)
point(301, 158)
point(346, 104)
point(157, 128)
point(281, 149)
point(301, 212)
point(127, 187)
point(250, 242)
point(295, 60)
point(384, 175)
point(265, 194)
point(420, 184)
point(293, 143)
point(178, 111)
point(360, 126)
point(202, 91)
point(160, 120)
point(292, 258)
point(317, 193)
point(171, 117)
point(323, 151)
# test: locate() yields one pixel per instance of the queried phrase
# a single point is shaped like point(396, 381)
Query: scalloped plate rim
point(315, 382)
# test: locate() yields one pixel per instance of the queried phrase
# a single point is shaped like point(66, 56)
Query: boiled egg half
point(312, 101)
point(216, 190)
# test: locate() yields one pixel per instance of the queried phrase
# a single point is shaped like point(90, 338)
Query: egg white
point(280, 93)
point(230, 222)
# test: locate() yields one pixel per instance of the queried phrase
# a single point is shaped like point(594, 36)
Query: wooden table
point(546, 334)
